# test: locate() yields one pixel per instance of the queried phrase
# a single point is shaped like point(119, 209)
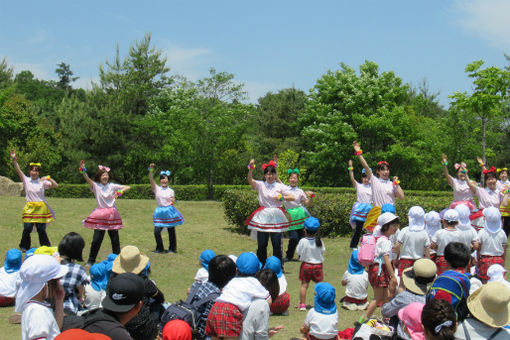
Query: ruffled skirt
point(37, 212)
point(298, 216)
point(104, 219)
point(359, 212)
point(269, 220)
point(167, 217)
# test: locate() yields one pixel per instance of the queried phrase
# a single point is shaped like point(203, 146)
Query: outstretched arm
point(251, 166)
point(362, 160)
point(472, 185)
point(151, 176)
point(445, 169)
point(16, 165)
point(351, 174)
point(83, 170)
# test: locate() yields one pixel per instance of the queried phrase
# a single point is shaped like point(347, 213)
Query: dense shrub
point(332, 209)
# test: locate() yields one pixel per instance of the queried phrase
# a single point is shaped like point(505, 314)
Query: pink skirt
point(104, 219)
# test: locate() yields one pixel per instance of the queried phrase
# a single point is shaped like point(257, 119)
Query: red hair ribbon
point(383, 162)
point(462, 164)
point(271, 163)
point(492, 169)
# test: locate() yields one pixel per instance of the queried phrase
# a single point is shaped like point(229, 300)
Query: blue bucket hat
point(355, 267)
point(325, 298)
point(388, 207)
point(98, 278)
point(248, 264)
point(12, 260)
point(275, 265)
point(312, 223)
point(206, 256)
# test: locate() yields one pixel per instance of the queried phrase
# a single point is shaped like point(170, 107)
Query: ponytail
point(438, 319)
point(316, 234)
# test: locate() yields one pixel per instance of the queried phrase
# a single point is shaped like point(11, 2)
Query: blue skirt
point(167, 217)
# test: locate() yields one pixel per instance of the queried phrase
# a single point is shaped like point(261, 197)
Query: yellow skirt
point(37, 212)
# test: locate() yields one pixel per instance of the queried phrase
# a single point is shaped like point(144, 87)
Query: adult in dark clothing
point(122, 302)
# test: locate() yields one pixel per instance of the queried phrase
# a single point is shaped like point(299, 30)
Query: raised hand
point(350, 163)
point(356, 146)
point(443, 157)
point(13, 153)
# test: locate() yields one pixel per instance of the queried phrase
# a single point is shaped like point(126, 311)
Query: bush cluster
point(331, 207)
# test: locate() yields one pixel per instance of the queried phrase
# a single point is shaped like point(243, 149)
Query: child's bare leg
point(379, 295)
point(302, 292)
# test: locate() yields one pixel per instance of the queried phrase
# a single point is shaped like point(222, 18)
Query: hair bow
point(502, 169)
point(492, 169)
point(36, 164)
point(165, 172)
point(447, 323)
point(271, 163)
point(293, 171)
point(462, 164)
point(383, 162)
point(103, 168)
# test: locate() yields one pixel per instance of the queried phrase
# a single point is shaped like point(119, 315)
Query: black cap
point(123, 292)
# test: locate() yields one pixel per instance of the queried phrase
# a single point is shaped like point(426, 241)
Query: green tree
point(65, 76)
point(6, 73)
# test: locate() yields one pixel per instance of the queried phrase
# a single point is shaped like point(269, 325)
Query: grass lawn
point(205, 227)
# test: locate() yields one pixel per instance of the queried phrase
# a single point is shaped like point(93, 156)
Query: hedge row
point(332, 209)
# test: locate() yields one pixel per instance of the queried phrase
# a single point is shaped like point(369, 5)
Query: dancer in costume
point(503, 178)
point(270, 219)
point(105, 217)
point(487, 197)
point(297, 212)
point(362, 206)
point(36, 212)
point(383, 189)
point(461, 191)
point(165, 215)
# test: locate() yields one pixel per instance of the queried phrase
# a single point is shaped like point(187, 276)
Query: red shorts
point(378, 281)
point(441, 264)
point(224, 320)
point(484, 263)
point(348, 299)
point(311, 272)
point(311, 337)
point(403, 264)
point(281, 304)
point(6, 301)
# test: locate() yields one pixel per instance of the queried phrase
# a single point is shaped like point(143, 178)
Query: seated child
point(225, 319)
point(438, 320)
point(281, 303)
point(9, 277)
point(496, 272)
point(411, 319)
point(321, 321)
point(96, 290)
point(356, 280)
point(203, 273)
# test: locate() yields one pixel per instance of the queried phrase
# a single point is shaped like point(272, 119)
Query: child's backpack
point(453, 287)
point(366, 253)
point(187, 311)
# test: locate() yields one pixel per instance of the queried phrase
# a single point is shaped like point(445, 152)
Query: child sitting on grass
point(321, 321)
point(356, 280)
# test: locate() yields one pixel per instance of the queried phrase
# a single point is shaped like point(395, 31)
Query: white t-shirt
point(488, 198)
point(202, 275)
point(383, 247)
point(492, 244)
point(461, 190)
point(363, 193)
point(163, 196)
point(468, 235)
point(104, 194)
point(322, 326)
point(282, 281)
point(383, 191)
point(93, 298)
point(268, 192)
point(34, 189)
point(413, 243)
point(241, 291)
point(299, 198)
point(38, 322)
point(443, 237)
point(356, 285)
point(9, 283)
point(309, 252)
point(256, 321)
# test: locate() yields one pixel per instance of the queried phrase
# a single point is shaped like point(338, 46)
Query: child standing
point(281, 303)
point(105, 217)
point(380, 273)
point(432, 225)
point(493, 243)
point(444, 236)
point(356, 280)
point(362, 206)
point(36, 212)
point(469, 236)
point(311, 254)
point(321, 321)
point(165, 215)
point(413, 242)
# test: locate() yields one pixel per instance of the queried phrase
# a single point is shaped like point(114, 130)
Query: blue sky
point(267, 45)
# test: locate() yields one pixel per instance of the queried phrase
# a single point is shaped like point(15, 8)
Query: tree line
point(205, 131)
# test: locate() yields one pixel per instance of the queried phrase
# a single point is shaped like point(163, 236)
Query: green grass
point(205, 227)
